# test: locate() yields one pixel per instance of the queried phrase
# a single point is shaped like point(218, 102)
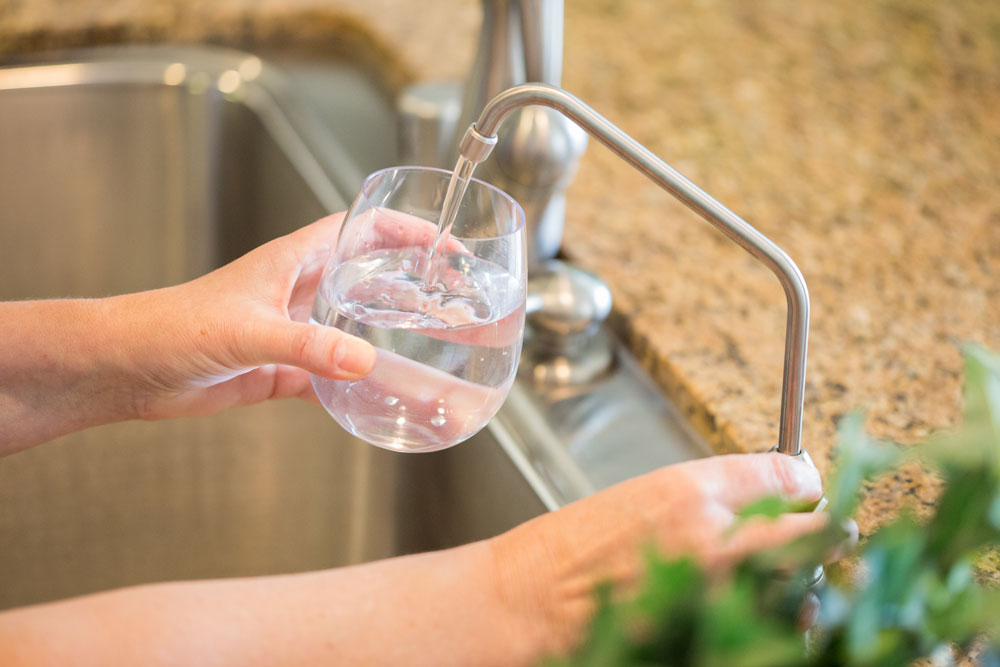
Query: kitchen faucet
point(515, 83)
point(480, 138)
point(543, 136)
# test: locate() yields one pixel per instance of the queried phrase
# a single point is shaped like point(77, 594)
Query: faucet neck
point(730, 224)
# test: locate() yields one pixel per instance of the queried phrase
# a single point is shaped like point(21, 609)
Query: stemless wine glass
point(447, 330)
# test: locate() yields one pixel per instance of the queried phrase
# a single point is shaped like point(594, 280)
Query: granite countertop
point(861, 137)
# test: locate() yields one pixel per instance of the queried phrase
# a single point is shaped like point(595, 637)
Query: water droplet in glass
point(438, 421)
point(391, 400)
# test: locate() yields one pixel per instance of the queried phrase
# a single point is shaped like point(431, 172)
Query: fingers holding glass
point(448, 346)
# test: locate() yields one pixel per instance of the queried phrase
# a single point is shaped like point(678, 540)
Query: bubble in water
point(391, 400)
point(401, 421)
point(439, 420)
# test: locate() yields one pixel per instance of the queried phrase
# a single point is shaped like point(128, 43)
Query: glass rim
point(521, 221)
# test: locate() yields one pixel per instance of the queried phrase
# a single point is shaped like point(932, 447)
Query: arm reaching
point(511, 600)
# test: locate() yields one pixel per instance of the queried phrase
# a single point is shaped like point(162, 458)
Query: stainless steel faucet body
point(521, 41)
point(482, 135)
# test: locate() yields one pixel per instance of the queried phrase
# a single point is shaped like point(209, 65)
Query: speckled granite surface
point(863, 137)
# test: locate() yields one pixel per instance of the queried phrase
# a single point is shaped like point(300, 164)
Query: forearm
point(59, 370)
point(435, 609)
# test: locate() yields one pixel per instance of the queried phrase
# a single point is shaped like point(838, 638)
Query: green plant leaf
point(964, 522)
point(608, 643)
point(858, 458)
point(770, 506)
point(736, 634)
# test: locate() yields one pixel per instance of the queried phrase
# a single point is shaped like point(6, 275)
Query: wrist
point(61, 370)
point(546, 598)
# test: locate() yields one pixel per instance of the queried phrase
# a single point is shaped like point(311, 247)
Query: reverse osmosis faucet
point(542, 137)
point(480, 138)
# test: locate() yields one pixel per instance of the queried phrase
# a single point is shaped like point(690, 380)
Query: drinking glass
point(447, 327)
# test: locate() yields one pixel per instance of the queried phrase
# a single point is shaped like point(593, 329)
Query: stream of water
point(449, 211)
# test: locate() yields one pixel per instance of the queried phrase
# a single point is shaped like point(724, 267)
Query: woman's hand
point(547, 568)
point(233, 337)
point(239, 335)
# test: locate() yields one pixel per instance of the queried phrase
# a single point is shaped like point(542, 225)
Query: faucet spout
point(484, 131)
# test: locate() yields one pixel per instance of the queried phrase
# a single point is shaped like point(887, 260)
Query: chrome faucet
point(480, 138)
point(543, 136)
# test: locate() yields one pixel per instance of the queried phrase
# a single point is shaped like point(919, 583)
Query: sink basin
point(114, 180)
point(129, 169)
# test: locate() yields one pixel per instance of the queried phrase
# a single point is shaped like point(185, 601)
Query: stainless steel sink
point(113, 180)
point(127, 169)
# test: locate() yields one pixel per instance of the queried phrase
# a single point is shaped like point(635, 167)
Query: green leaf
point(976, 442)
point(982, 400)
point(964, 523)
point(671, 584)
point(736, 634)
point(608, 642)
point(770, 506)
point(671, 603)
point(858, 458)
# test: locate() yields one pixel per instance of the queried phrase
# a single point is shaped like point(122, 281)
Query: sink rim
point(317, 155)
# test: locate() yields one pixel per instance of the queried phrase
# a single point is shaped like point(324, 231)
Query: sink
point(123, 182)
point(132, 168)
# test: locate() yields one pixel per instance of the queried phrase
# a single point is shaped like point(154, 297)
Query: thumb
point(323, 351)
